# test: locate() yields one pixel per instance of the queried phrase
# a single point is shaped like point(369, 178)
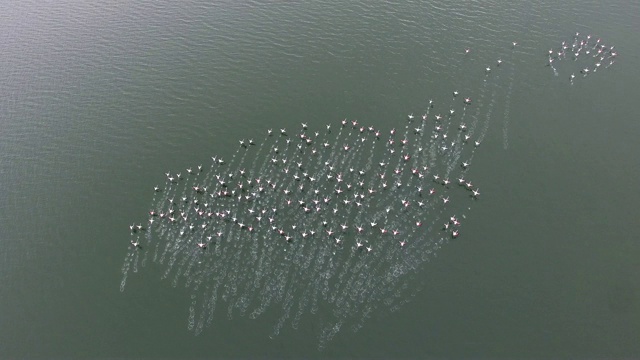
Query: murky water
point(98, 102)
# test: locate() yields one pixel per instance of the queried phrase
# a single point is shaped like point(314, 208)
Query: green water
point(97, 101)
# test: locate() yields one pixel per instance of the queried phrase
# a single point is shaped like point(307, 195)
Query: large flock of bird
point(333, 221)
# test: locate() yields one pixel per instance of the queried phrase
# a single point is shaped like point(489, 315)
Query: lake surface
point(98, 101)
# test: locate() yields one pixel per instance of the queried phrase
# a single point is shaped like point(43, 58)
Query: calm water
point(98, 101)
